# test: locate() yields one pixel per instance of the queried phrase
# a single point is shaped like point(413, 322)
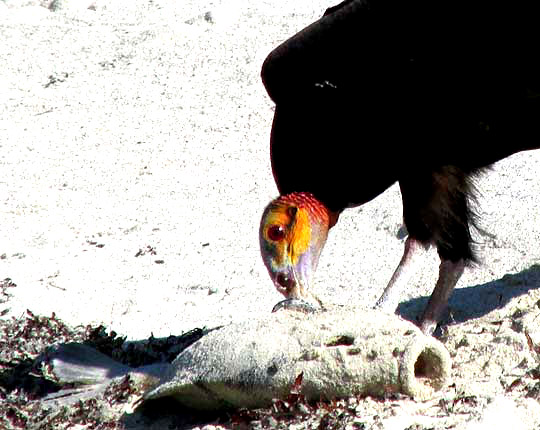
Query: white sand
point(153, 131)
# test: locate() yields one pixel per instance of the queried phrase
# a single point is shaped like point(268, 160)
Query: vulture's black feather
point(427, 93)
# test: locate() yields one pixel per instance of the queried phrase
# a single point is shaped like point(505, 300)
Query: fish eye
point(276, 233)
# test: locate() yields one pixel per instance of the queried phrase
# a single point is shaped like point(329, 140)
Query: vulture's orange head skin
point(293, 231)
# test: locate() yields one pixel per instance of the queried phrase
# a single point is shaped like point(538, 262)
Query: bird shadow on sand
point(477, 301)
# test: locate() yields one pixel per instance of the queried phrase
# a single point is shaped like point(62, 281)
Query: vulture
point(424, 93)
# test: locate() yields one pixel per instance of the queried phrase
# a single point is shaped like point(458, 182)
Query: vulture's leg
point(449, 274)
point(436, 210)
point(413, 258)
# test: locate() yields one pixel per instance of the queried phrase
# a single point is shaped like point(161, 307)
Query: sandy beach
point(134, 168)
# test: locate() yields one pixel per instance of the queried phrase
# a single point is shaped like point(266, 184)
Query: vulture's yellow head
point(293, 231)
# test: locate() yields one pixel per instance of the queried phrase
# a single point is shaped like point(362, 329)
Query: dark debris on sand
point(25, 378)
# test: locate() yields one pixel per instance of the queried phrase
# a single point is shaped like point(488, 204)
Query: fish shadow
point(477, 301)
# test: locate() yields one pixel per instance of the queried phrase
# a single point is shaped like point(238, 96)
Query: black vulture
point(426, 93)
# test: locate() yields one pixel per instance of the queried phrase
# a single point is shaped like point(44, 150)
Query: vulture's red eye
point(276, 233)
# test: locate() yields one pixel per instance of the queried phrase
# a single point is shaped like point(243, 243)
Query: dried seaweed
point(25, 378)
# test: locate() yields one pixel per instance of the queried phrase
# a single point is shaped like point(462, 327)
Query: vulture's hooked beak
point(294, 284)
point(293, 281)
